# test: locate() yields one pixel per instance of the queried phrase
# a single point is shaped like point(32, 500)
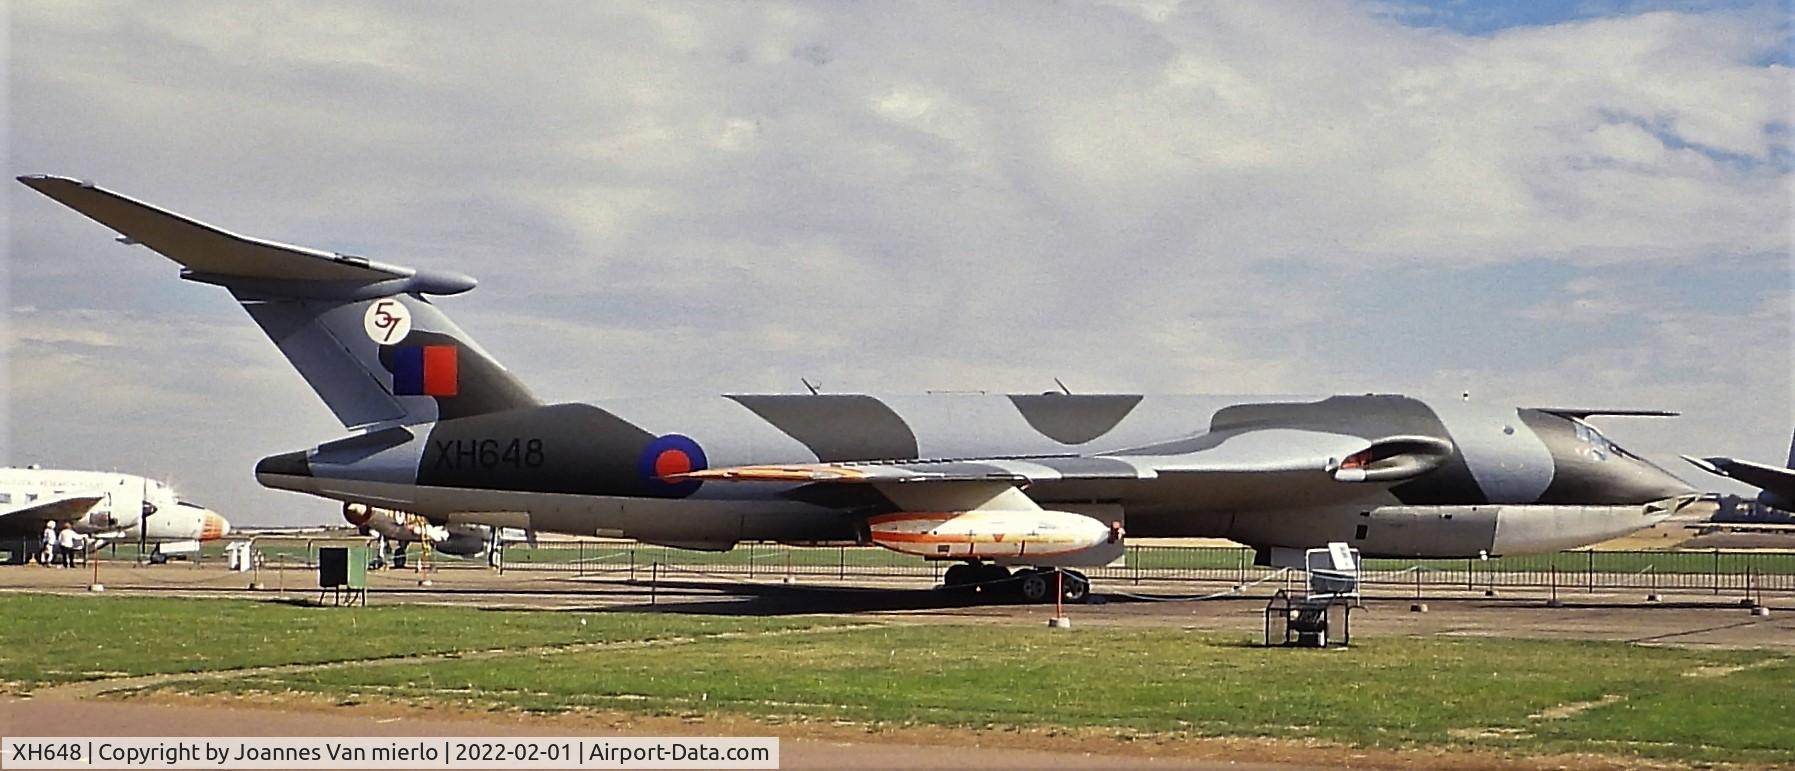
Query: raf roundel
point(667, 455)
point(387, 321)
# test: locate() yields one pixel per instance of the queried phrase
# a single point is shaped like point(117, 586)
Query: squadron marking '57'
point(1031, 480)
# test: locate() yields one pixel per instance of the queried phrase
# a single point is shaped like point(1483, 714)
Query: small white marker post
point(255, 567)
point(1059, 620)
point(424, 564)
point(96, 586)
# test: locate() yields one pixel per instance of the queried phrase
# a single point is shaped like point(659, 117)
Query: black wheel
point(1035, 586)
point(990, 578)
point(959, 574)
point(1077, 587)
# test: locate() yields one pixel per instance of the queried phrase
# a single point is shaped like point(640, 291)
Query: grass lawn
point(1521, 696)
point(51, 638)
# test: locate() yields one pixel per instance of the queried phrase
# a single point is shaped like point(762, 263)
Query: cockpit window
point(1595, 446)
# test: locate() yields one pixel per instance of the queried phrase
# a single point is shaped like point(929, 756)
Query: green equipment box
point(344, 569)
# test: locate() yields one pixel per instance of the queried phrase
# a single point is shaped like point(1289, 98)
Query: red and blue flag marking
point(426, 370)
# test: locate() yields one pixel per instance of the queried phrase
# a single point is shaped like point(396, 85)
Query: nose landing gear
point(1031, 585)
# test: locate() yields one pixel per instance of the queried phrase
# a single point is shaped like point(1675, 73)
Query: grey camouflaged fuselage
point(587, 468)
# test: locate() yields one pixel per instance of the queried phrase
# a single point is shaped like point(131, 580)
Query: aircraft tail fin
point(362, 333)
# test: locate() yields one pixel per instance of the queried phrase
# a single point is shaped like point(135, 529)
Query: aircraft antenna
point(1063, 388)
point(815, 388)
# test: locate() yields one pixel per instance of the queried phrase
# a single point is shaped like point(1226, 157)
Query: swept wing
point(1347, 459)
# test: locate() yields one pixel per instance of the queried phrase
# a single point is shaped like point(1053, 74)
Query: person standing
point(66, 541)
point(47, 556)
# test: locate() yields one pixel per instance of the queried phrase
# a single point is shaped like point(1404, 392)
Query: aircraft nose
point(287, 471)
point(213, 527)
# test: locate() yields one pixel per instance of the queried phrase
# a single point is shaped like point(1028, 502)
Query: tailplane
point(362, 333)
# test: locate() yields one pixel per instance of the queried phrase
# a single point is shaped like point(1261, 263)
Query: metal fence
point(1655, 571)
point(1713, 571)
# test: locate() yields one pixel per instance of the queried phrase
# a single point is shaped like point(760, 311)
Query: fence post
point(1591, 578)
point(654, 582)
point(1714, 578)
point(841, 562)
point(632, 564)
point(581, 559)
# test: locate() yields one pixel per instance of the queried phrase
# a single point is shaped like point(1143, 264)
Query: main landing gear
point(1028, 584)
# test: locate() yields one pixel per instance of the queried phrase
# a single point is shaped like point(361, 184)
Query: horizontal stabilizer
point(217, 256)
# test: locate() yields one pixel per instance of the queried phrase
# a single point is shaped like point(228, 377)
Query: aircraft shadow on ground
point(775, 600)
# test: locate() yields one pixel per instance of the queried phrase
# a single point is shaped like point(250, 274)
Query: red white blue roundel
point(671, 454)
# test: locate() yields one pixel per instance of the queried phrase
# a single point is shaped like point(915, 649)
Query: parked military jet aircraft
point(1776, 485)
point(106, 506)
point(989, 481)
point(401, 527)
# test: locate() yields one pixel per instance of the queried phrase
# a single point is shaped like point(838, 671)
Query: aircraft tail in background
point(1777, 484)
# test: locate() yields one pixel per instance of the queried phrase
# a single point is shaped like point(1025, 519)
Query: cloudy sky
point(1555, 203)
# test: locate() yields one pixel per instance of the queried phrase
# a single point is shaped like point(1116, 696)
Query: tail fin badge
point(387, 321)
point(426, 370)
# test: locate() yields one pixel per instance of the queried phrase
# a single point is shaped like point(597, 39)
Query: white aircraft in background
point(104, 506)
